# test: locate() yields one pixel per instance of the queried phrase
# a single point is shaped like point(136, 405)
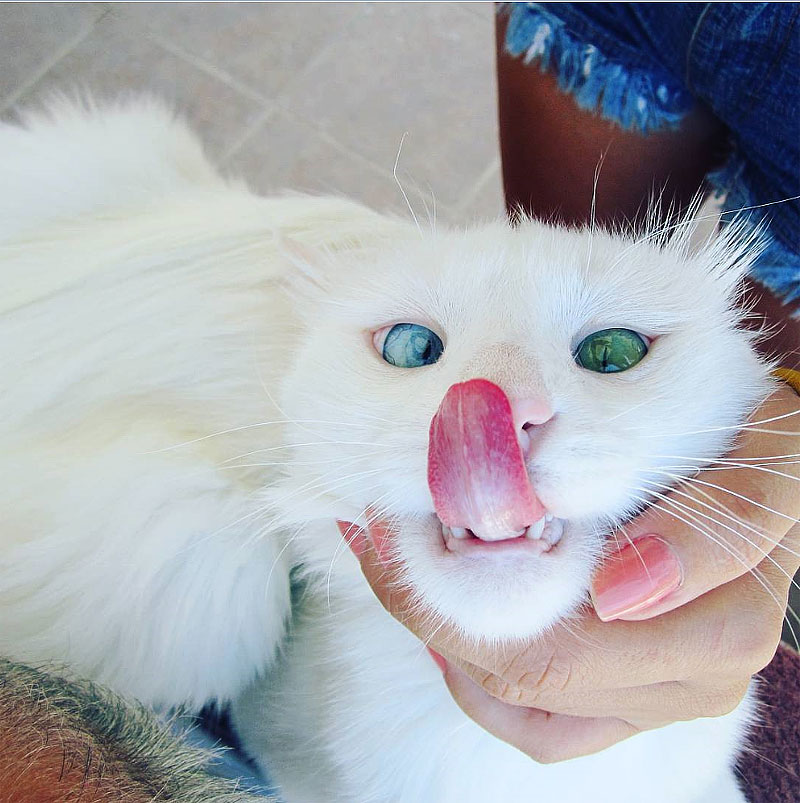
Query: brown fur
point(65, 742)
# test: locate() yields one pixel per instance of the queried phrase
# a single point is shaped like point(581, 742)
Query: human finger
point(543, 736)
point(713, 527)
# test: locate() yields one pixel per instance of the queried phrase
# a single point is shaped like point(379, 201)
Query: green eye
point(409, 345)
point(611, 350)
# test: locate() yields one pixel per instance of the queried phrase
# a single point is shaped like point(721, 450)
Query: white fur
point(190, 398)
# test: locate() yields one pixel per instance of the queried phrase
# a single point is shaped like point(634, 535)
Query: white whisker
point(749, 427)
point(697, 481)
point(397, 181)
point(728, 548)
point(775, 543)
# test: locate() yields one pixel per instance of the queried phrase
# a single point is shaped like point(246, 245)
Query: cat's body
point(380, 725)
point(191, 397)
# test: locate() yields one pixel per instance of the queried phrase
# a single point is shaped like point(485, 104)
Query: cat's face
point(512, 306)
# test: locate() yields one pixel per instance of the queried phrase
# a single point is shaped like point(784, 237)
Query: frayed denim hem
point(634, 98)
point(777, 267)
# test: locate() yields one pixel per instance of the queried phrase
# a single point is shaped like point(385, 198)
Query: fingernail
point(354, 537)
point(438, 659)
point(638, 576)
point(379, 537)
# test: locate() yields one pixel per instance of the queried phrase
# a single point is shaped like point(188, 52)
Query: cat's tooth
point(554, 531)
point(536, 529)
point(459, 532)
point(548, 517)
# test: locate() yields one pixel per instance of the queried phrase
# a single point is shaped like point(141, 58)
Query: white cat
point(198, 381)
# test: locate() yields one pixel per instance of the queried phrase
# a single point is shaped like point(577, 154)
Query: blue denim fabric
point(226, 761)
point(643, 65)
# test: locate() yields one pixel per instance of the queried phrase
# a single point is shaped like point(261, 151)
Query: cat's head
point(622, 368)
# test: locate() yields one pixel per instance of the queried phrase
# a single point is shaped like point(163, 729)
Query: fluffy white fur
point(191, 397)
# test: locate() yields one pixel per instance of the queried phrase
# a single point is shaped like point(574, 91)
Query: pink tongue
point(476, 471)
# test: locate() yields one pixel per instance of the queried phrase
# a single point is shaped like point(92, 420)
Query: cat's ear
point(308, 263)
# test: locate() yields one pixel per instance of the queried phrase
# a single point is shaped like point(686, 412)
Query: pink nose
point(528, 413)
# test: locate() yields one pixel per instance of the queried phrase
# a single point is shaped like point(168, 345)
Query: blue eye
point(409, 345)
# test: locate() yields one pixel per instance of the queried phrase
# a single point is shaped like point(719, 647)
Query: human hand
point(683, 616)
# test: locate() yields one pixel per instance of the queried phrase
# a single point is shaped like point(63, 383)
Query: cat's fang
point(549, 529)
point(536, 529)
point(553, 531)
point(455, 532)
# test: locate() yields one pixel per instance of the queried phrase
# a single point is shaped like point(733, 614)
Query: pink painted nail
point(354, 537)
point(638, 576)
point(379, 535)
point(438, 659)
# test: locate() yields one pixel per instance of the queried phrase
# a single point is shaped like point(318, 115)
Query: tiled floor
point(304, 96)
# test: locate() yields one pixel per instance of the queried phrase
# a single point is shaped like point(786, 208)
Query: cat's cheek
point(598, 492)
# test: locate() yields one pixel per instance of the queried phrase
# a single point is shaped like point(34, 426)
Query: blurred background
point(301, 96)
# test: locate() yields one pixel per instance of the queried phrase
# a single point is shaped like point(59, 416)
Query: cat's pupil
point(610, 351)
point(410, 345)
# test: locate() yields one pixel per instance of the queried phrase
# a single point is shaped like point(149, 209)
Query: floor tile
point(261, 45)
point(427, 69)
point(485, 201)
point(286, 154)
point(116, 59)
point(31, 34)
point(486, 11)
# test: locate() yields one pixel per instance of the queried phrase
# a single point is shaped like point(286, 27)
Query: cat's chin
point(508, 589)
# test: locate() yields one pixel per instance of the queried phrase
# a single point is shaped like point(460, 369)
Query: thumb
point(714, 527)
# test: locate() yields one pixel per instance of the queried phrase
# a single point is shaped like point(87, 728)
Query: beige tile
point(427, 69)
point(486, 11)
point(484, 202)
point(286, 154)
point(33, 34)
point(116, 60)
point(261, 45)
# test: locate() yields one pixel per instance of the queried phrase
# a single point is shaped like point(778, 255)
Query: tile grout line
point(469, 8)
point(277, 103)
point(222, 75)
point(378, 170)
point(27, 86)
point(249, 131)
point(209, 69)
point(337, 146)
point(269, 105)
point(328, 138)
point(480, 184)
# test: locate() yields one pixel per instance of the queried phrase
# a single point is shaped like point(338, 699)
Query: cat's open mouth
point(537, 539)
point(478, 478)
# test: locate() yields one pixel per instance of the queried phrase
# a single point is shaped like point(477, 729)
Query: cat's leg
point(150, 573)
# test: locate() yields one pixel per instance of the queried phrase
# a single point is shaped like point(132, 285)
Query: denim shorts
point(644, 65)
